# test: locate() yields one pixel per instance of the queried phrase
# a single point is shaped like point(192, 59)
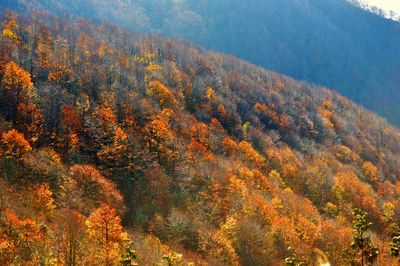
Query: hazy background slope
point(331, 43)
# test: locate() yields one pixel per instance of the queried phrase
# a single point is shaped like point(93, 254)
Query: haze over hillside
point(330, 42)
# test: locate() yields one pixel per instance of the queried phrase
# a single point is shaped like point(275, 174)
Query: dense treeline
point(332, 43)
point(122, 148)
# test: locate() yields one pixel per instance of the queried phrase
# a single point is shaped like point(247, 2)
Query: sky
point(385, 4)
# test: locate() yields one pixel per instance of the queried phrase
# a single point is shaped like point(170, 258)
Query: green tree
point(365, 252)
point(395, 247)
point(293, 260)
point(129, 255)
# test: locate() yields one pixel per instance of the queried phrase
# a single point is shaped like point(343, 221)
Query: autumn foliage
point(16, 86)
point(105, 230)
point(161, 93)
point(15, 78)
point(122, 148)
point(14, 143)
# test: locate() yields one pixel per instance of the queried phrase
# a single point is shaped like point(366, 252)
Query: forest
point(332, 43)
point(118, 148)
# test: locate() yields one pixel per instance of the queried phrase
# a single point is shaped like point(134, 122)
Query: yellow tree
point(42, 201)
point(10, 41)
point(210, 94)
point(105, 230)
point(161, 139)
point(9, 31)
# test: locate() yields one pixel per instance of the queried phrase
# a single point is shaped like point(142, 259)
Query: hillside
point(108, 137)
point(331, 43)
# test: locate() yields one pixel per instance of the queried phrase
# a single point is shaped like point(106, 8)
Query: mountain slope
point(201, 154)
point(331, 43)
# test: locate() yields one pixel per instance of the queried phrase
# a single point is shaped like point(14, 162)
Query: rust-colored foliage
point(22, 240)
point(115, 153)
point(15, 77)
point(195, 148)
point(152, 67)
point(42, 202)
point(370, 171)
point(107, 116)
point(263, 184)
point(16, 83)
point(271, 117)
point(229, 145)
point(28, 228)
point(71, 227)
point(160, 138)
point(349, 189)
point(335, 236)
point(30, 121)
point(345, 154)
point(95, 188)
point(284, 160)
point(14, 143)
point(200, 131)
point(250, 154)
point(161, 93)
point(222, 110)
point(326, 111)
point(104, 50)
point(216, 123)
point(43, 52)
point(59, 74)
point(159, 130)
point(70, 125)
point(219, 247)
point(119, 136)
point(4, 58)
point(279, 85)
point(210, 94)
point(216, 200)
